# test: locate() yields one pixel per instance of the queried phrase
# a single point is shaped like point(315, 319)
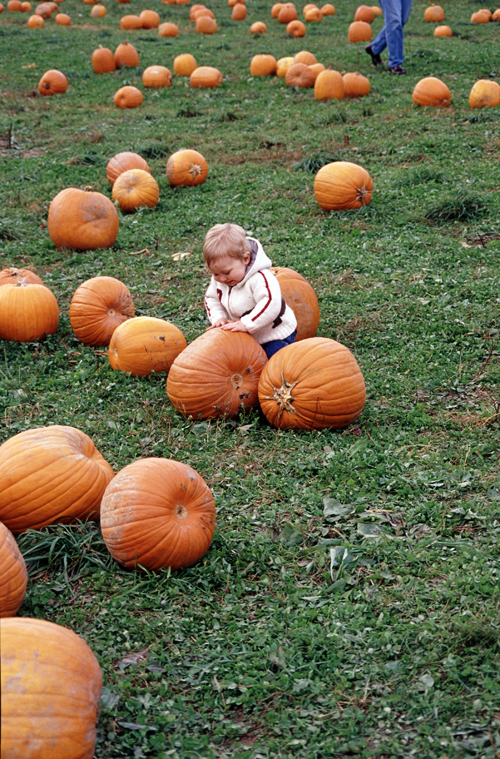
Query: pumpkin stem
point(236, 381)
point(361, 193)
point(283, 396)
point(194, 170)
point(180, 511)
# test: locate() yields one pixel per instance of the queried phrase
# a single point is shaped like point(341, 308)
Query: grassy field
point(349, 603)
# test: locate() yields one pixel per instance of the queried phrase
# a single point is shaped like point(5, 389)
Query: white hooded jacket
point(256, 301)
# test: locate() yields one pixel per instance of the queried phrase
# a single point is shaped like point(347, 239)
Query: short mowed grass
point(349, 602)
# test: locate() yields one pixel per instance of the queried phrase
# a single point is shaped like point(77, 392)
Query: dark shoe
point(376, 59)
point(397, 69)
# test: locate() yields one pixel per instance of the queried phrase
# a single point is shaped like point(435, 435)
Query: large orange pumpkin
point(103, 60)
point(301, 298)
point(480, 17)
point(144, 344)
point(82, 220)
point(312, 384)
point(149, 19)
point(13, 574)
point(239, 12)
point(129, 22)
point(50, 474)
point(62, 19)
point(184, 64)
point(329, 85)
point(263, 64)
point(134, 189)
point(51, 690)
point(216, 375)
point(168, 29)
point(364, 13)
point(296, 28)
point(342, 185)
point(443, 31)
point(53, 82)
point(300, 75)
point(205, 24)
point(205, 76)
point(186, 168)
point(359, 31)
point(98, 307)
point(485, 93)
point(126, 55)
point(128, 96)
point(356, 85)
point(304, 56)
point(13, 275)
point(123, 162)
point(434, 14)
point(431, 91)
point(27, 312)
point(157, 513)
point(36, 22)
point(258, 27)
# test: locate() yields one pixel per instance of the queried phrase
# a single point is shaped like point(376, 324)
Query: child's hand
point(220, 323)
point(234, 326)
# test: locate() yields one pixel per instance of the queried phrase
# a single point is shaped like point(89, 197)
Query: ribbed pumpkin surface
point(51, 689)
point(301, 298)
point(27, 312)
point(145, 344)
point(98, 307)
point(13, 574)
point(432, 92)
point(82, 220)
point(12, 276)
point(134, 189)
point(312, 384)
point(50, 474)
point(216, 375)
point(342, 186)
point(157, 513)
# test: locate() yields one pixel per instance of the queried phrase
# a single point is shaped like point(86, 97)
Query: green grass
point(348, 605)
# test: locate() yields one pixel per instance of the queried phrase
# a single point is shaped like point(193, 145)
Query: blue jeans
point(274, 346)
point(396, 14)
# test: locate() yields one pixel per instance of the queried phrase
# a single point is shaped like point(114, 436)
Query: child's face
point(229, 271)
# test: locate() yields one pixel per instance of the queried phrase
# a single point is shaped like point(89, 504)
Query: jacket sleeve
point(213, 305)
point(268, 301)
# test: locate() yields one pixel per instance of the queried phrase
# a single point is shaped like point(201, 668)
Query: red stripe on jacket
point(269, 300)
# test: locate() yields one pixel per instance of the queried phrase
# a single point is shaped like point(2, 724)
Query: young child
point(244, 295)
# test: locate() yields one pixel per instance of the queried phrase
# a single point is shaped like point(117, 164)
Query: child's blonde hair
point(225, 240)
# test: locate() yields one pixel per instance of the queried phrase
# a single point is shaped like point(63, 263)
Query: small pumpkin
point(27, 312)
point(495, 16)
point(205, 76)
point(103, 60)
point(263, 65)
point(168, 29)
point(126, 55)
point(186, 168)
point(328, 9)
point(434, 14)
point(13, 574)
point(443, 31)
point(359, 31)
point(275, 9)
point(53, 82)
point(356, 85)
point(206, 25)
point(98, 11)
point(62, 19)
point(258, 27)
point(184, 64)
point(300, 75)
point(301, 298)
point(431, 91)
point(296, 28)
point(364, 13)
point(156, 77)
point(157, 513)
point(98, 307)
point(50, 474)
point(83, 220)
point(329, 85)
point(239, 12)
point(129, 22)
point(123, 162)
point(342, 185)
point(149, 19)
point(317, 68)
point(313, 15)
point(313, 384)
point(134, 189)
point(13, 275)
point(51, 681)
point(128, 96)
point(304, 56)
point(36, 22)
point(216, 375)
point(480, 17)
point(287, 13)
point(144, 344)
point(485, 93)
